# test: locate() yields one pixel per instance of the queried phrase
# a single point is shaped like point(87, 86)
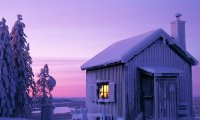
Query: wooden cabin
point(148, 76)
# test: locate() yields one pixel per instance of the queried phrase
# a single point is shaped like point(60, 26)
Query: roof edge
point(101, 66)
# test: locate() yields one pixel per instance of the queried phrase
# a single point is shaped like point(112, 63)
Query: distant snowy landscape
point(63, 107)
point(196, 106)
point(58, 110)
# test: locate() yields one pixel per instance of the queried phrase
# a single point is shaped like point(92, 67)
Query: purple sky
point(77, 30)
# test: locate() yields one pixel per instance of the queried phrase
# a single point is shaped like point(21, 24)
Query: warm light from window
point(103, 91)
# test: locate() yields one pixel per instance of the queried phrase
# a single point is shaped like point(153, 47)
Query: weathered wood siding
point(157, 54)
point(114, 74)
point(165, 98)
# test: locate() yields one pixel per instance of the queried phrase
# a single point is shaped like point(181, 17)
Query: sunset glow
point(65, 34)
point(70, 78)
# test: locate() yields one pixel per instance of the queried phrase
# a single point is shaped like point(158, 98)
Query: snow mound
point(14, 119)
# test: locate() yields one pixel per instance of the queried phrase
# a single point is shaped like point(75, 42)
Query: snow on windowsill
point(103, 100)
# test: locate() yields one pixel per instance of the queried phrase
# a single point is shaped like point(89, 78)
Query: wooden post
point(47, 111)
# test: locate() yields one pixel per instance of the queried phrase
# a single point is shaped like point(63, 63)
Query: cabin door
point(147, 97)
point(165, 98)
point(158, 97)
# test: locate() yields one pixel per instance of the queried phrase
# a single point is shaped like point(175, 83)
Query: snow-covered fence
point(100, 116)
point(94, 116)
point(140, 116)
point(79, 114)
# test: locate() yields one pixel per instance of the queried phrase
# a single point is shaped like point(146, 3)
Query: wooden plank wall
point(157, 54)
point(165, 98)
point(114, 74)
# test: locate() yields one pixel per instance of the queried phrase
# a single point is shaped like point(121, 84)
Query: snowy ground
point(13, 119)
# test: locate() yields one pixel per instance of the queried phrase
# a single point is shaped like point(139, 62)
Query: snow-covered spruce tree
point(7, 81)
point(25, 87)
point(45, 85)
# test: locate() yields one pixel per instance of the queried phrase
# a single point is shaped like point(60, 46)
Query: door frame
point(153, 72)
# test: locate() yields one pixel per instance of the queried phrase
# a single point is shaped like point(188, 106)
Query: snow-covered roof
point(122, 51)
point(159, 71)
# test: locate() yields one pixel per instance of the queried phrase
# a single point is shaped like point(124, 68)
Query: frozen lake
point(58, 110)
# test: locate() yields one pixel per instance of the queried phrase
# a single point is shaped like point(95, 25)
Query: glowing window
point(103, 89)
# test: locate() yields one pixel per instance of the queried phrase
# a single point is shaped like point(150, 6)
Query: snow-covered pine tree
point(25, 87)
point(7, 81)
point(45, 85)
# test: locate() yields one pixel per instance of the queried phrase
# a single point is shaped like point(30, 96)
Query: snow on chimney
point(178, 31)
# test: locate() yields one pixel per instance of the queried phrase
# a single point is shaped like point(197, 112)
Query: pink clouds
point(69, 91)
point(70, 79)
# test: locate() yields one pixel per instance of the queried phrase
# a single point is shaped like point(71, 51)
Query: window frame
point(101, 85)
point(111, 91)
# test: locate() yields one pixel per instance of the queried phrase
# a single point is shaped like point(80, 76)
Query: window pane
point(103, 90)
